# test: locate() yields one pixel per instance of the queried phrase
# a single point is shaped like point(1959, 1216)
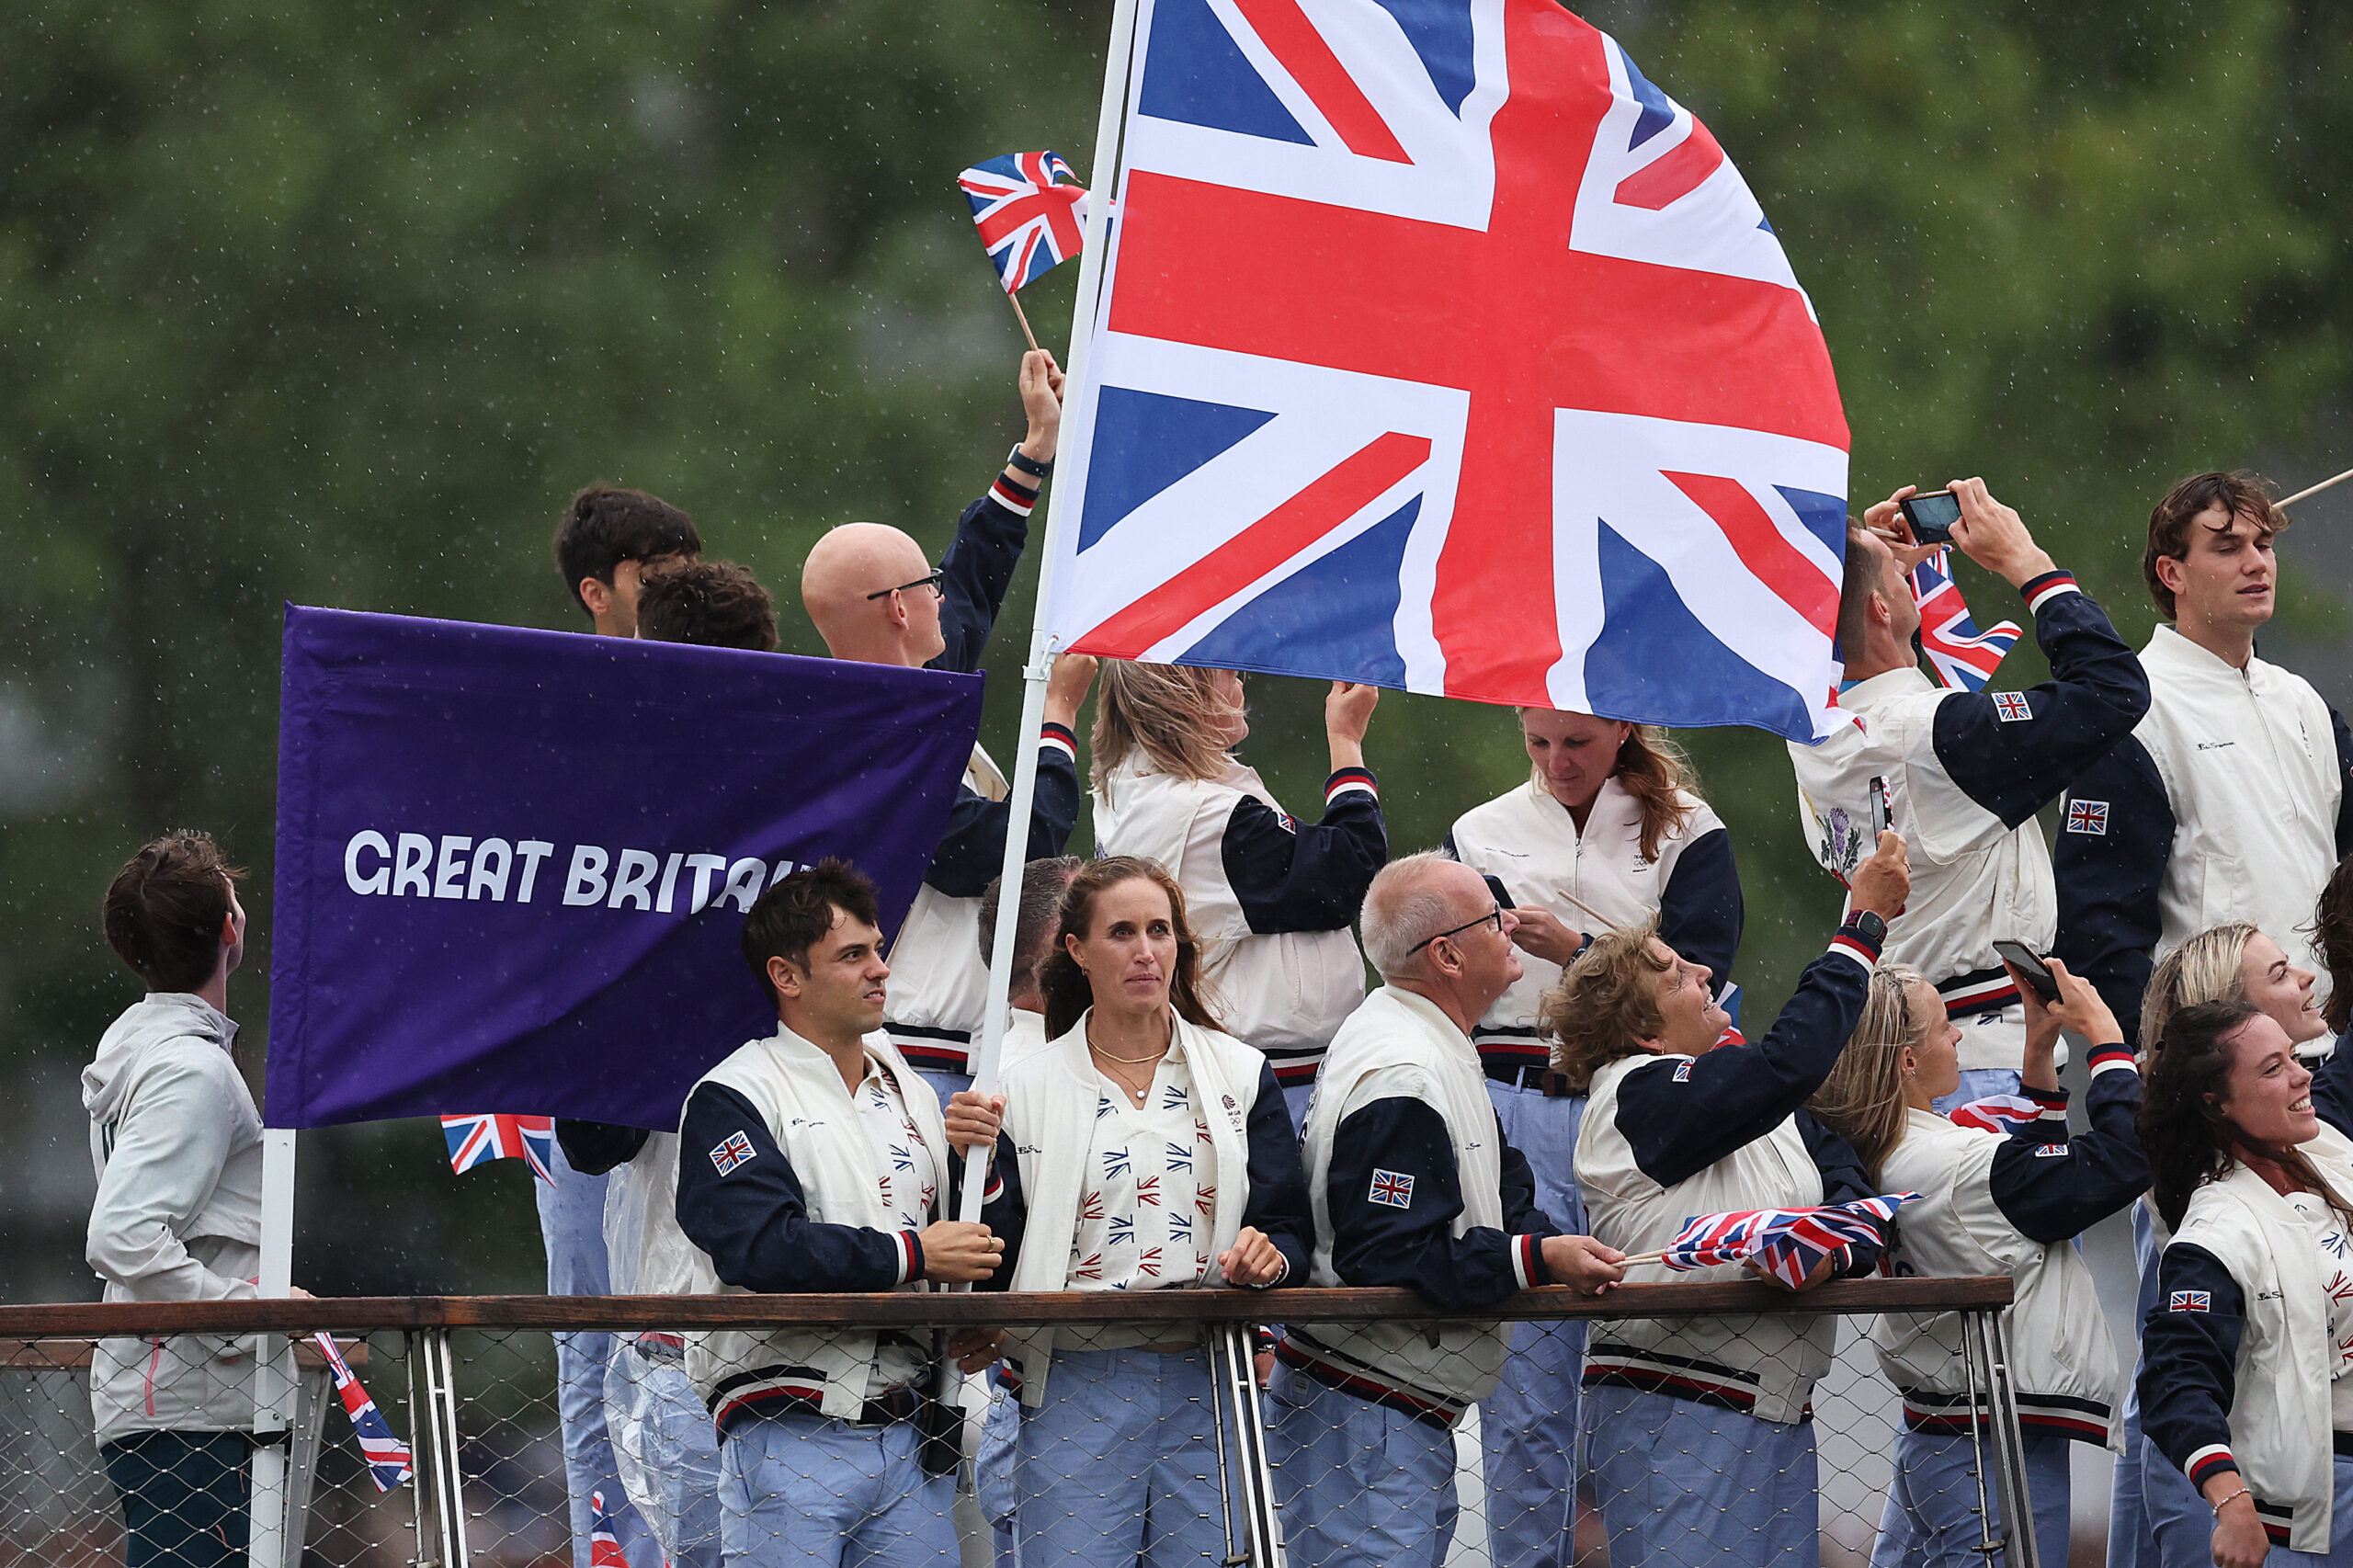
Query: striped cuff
point(1012, 496)
point(2209, 1463)
point(1348, 779)
point(2112, 1059)
point(1060, 738)
point(2049, 1099)
point(1852, 943)
point(996, 1189)
point(910, 1256)
point(2040, 591)
point(1527, 1261)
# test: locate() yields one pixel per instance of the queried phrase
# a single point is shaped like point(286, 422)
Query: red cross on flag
point(1440, 348)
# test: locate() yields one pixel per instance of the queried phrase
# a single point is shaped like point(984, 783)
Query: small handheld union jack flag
point(474, 1139)
point(389, 1459)
point(604, 1546)
point(1787, 1243)
point(1963, 658)
point(1995, 1113)
point(1031, 213)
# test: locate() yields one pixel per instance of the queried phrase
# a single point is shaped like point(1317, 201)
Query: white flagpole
point(271, 1532)
point(2318, 488)
point(1104, 171)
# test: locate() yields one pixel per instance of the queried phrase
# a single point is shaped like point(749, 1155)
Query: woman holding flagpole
point(1988, 1204)
point(1694, 1432)
point(1142, 1149)
point(1273, 897)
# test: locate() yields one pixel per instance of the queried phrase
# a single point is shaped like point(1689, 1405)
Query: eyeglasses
point(1493, 917)
point(937, 576)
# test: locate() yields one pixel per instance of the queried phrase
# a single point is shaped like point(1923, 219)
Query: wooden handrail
point(904, 1308)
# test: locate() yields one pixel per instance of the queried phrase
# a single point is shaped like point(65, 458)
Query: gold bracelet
point(2227, 1497)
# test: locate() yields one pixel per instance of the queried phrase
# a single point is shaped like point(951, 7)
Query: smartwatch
point(1023, 462)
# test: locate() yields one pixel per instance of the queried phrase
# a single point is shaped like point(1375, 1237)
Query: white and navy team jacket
point(1271, 897)
point(2014, 1205)
point(2227, 802)
point(938, 987)
point(1665, 1137)
point(778, 1188)
point(1527, 846)
point(1966, 771)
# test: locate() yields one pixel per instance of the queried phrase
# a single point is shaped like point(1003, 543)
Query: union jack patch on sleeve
point(2088, 816)
point(1683, 1072)
point(2011, 706)
point(2190, 1302)
point(1392, 1190)
point(2051, 1152)
point(735, 1152)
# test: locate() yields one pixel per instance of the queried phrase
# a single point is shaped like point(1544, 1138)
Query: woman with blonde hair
point(1272, 897)
point(1141, 1149)
point(1988, 1204)
point(1606, 831)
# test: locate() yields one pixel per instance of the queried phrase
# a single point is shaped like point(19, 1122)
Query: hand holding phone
point(1883, 811)
point(2031, 969)
point(1932, 514)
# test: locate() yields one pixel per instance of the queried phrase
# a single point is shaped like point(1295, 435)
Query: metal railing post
point(2009, 1448)
point(1235, 1384)
point(448, 1482)
point(1976, 1360)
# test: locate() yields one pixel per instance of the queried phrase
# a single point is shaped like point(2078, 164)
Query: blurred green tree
point(302, 303)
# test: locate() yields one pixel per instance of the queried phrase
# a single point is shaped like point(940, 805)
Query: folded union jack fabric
point(1787, 1243)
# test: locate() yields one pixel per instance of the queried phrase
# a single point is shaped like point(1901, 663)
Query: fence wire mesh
point(1138, 1448)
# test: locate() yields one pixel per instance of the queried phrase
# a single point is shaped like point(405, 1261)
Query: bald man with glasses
point(1413, 1184)
point(876, 598)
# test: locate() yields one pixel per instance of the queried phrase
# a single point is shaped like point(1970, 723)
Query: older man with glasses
point(875, 597)
point(1413, 1184)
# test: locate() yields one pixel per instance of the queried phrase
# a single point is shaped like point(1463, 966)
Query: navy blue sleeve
point(2012, 763)
point(2189, 1353)
point(1843, 1179)
point(1399, 1232)
point(1681, 1115)
point(1700, 910)
point(2344, 783)
point(1004, 1209)
point(1278, 1203)
point(977, 570)
point(2054, 1192)
point(972, 852)
point(2333, 1087)
point(2115, 835)
point(594, 1147)
point(753, 1218)
point(1292, 876)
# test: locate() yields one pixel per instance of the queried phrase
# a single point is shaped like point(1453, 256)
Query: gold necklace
point(1130, 1061)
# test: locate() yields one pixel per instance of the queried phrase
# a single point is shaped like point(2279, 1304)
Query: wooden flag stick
point(1014, 295)
point(1640, 1258)
point(1590, 912)
point(2318, 488)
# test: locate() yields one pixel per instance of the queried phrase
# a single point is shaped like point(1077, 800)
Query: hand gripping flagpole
point(1034, 674)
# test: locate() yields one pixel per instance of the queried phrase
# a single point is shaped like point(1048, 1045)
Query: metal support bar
point(1978, 1370)
point(2009, 1447)
point(423, 1465)
point(448, 1477)
point(1234, 1383)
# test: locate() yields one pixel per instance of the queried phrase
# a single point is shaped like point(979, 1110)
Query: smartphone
point(2031, 968)
point(1883, 813)
point(1932, 515)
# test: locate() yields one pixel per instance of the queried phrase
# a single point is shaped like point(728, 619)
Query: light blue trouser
point(665, 1444)
point(946, 1083)
point(1977, 1083)
point(1931, 1518)
point(993, 1474)
point(800, 1491)
point(2156, 1519)
point(1295, 1101)
point(1529, 1425)
point(572, 1224)
point(1119, 1464)
point(1359, 1485)
point(1683, 1484)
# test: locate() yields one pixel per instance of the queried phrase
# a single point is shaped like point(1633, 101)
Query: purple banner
point(513, 865)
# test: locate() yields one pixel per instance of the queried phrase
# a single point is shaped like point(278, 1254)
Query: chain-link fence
point(1155, 1427)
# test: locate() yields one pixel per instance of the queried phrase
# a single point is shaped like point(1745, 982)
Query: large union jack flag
point(474, 1139)
point(1440, 348)
point(1963, 658)
point(1787, 1243)
point(1031, 210)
